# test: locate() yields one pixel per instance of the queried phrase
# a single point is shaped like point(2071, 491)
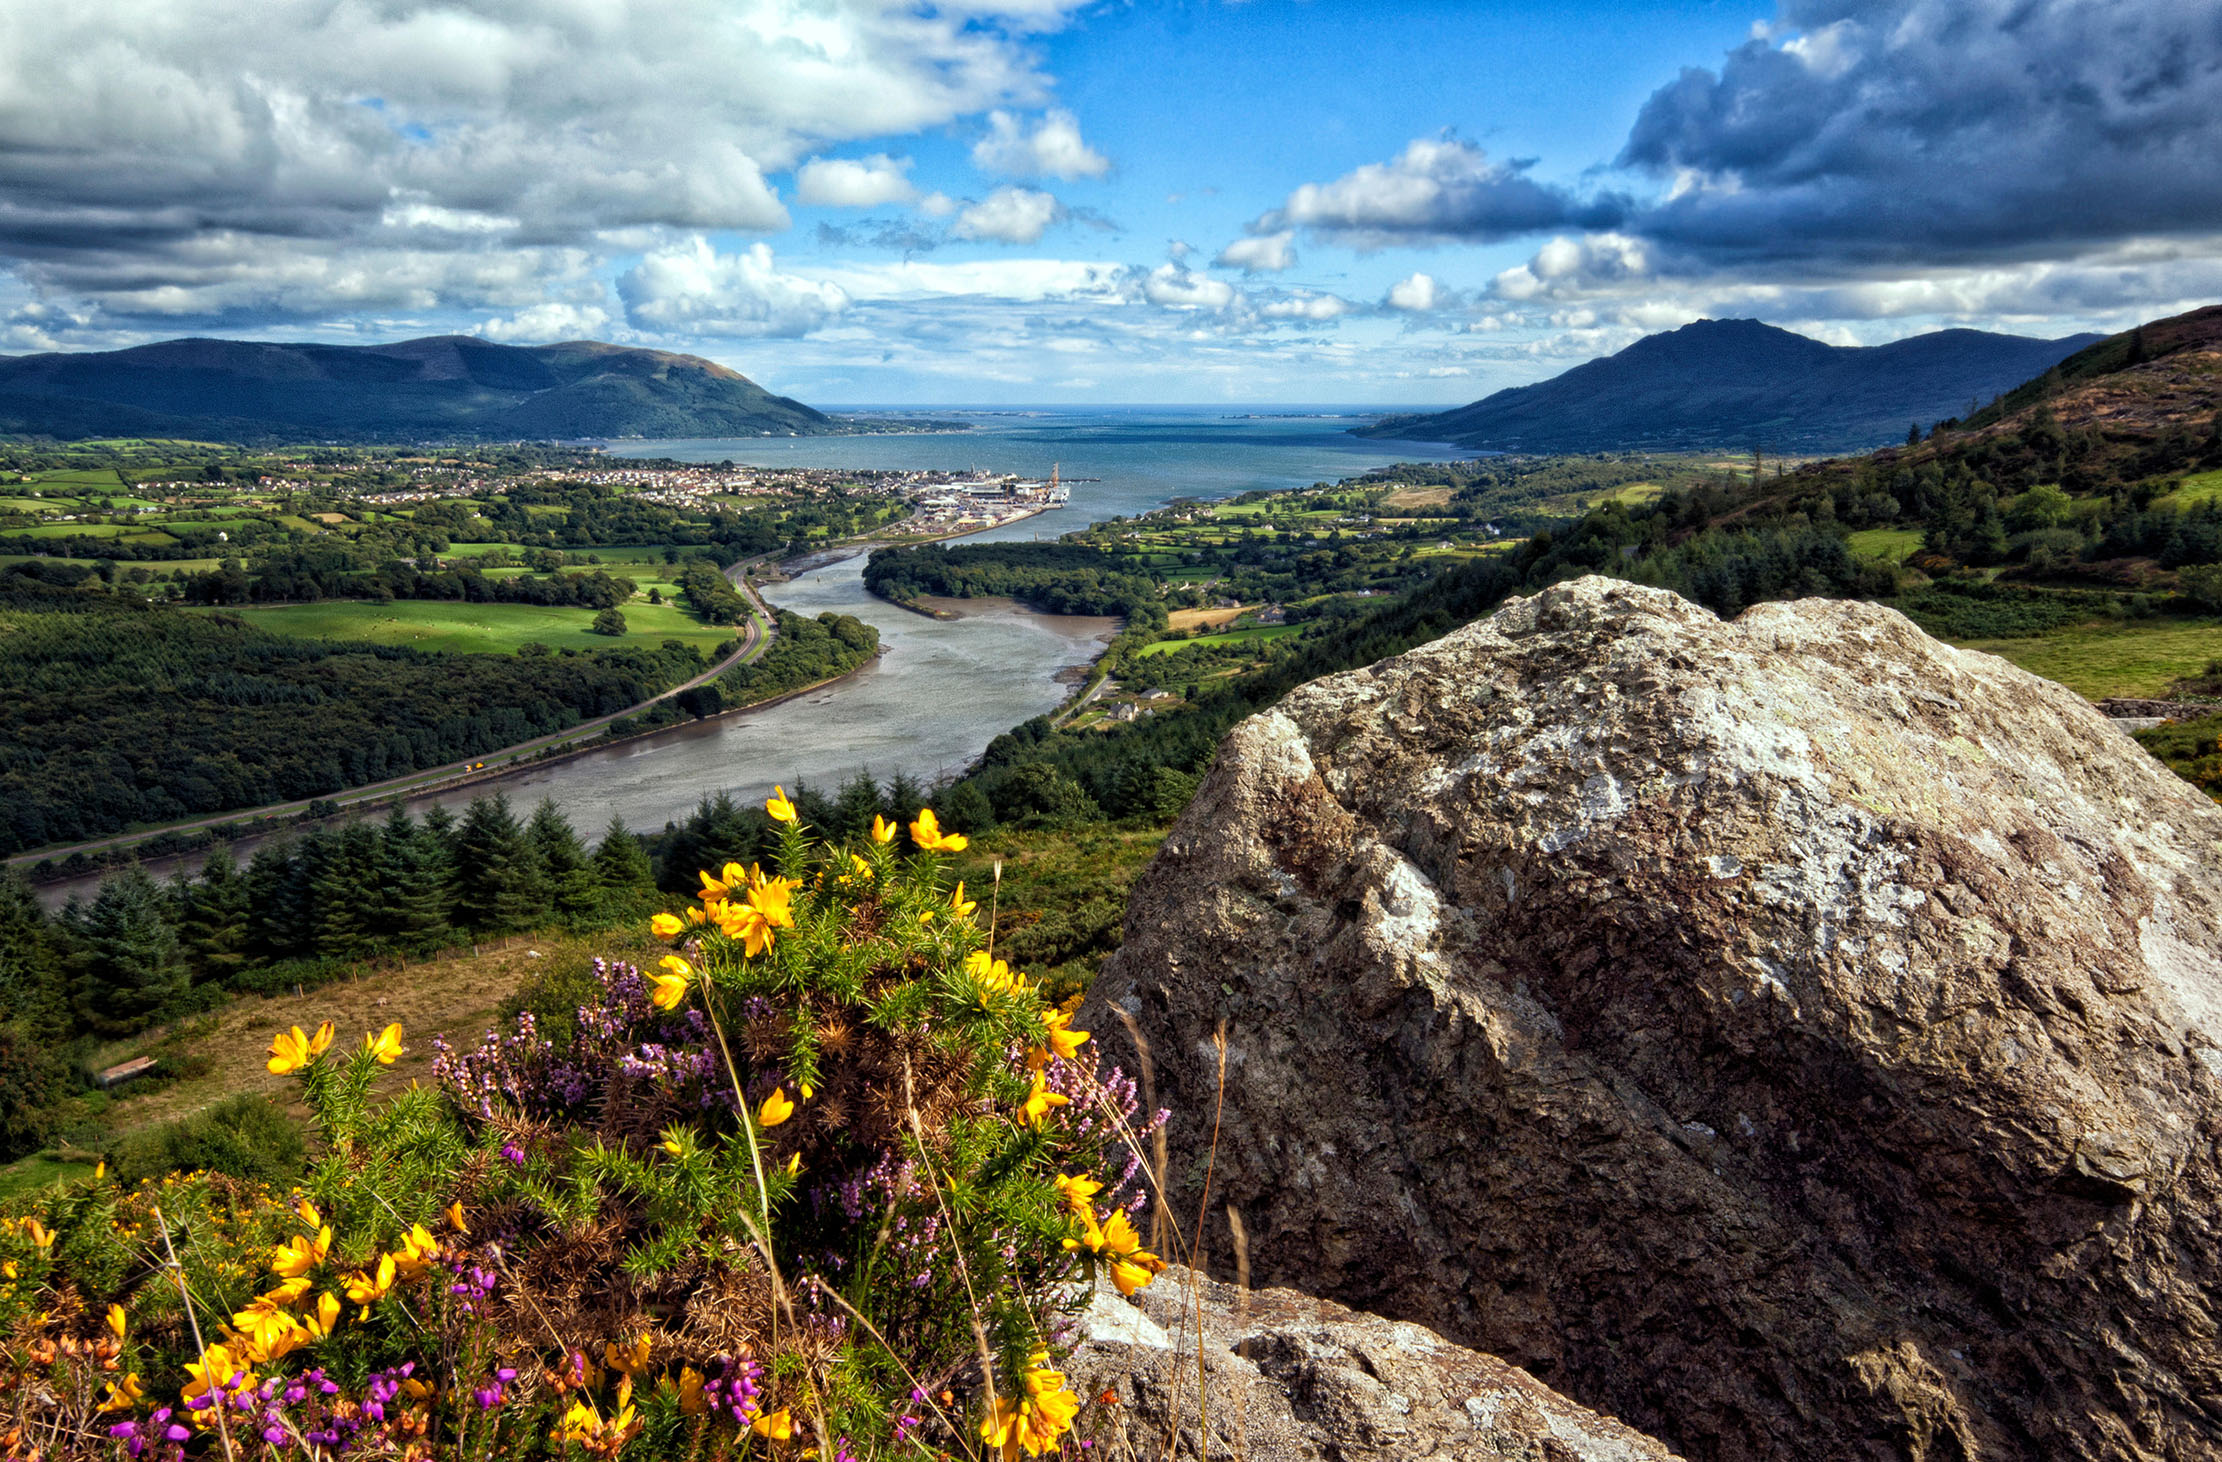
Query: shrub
point(247, 1137)
point(828, 1176)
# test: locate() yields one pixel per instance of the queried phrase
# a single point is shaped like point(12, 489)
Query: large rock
point(1208, 1370)
point(1793, 1036)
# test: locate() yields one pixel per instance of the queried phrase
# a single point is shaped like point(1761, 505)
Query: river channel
point(942, 688)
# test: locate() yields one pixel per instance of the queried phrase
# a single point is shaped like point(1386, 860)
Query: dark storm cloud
point(1938, 131)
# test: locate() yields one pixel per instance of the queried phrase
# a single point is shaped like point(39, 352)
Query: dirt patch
point(1417, 497)
point(1180, 621)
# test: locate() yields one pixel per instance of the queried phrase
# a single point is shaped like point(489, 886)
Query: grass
point(101, 480)
point(28, 1175)
point(1885, 545)
point(72, 530)
point(2201, 487)
point(1184, 620)
point(1632, 494)
point(1227, 637)
point(463, 629)
point(2139, 658)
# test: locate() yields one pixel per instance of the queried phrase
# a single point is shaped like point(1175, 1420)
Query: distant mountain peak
point(1741, 383)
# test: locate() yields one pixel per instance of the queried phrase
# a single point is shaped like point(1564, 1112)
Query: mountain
point(441, 386)
point(1742, 384)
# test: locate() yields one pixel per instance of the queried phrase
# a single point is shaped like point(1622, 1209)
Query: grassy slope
point(435, 624)
point(2099, 660)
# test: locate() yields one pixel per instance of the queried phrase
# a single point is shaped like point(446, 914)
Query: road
point(756, 637)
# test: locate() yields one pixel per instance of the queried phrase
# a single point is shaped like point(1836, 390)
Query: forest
point(115, 712)
point(1056, 578)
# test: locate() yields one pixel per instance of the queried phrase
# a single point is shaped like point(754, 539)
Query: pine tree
point(498, 880)
point(719, 832)
point(904, 798)
point(854, 807)
point(346, 890)
point(275, 913)
point(564, 863)
point(32, 993)
point(126, 965)
point(412, 907)
point(213, 925)
point(621, 863)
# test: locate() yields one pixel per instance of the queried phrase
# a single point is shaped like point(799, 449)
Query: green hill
point(445, 386)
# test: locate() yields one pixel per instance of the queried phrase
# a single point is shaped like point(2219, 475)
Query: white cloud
point(1009, 216)
point(694, 289)
point(1053, 149)
point(1571, 267)
point(854, 182)
point(1416, 293)
point(546, 322)
point(1016, 280)
point(1438, 190)
point(1260, 254)
point(1177, 288)
point(1307, 305)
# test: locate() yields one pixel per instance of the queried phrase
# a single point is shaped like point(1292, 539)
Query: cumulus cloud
point(1919, 131)
point(137, 136)
point(1437, 191)
point(1178, 288)
point(1576, 267)
point(693, 288)
point(1009, 215)
point(854, 182)
point(546, 322)
point(1309, 306)
point(1052, 148)
point(1417, 294)
point(1260, 254)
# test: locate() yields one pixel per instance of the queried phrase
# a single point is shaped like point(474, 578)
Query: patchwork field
point(2099, 660)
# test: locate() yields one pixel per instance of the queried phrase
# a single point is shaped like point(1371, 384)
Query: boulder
point(1793, 1036)
point(1288, 1378)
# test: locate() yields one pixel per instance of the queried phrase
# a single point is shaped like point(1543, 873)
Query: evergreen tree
point(904, 798)
point(412, 906)
point(719, 832)
point(564, 863)
point(214, 923)
point(126, 964)
point(854, 808)
point(275, 915)
point(32, 993)
point(498, 879)
point(347, 892)
point(621, 863)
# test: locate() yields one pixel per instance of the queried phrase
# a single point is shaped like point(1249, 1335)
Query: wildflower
point(217, 1369)
point(861, 868)
point(883, 831)
point(366, 1289)
point(455, 1217)
point(123, 1395)
point(289, 1052)
point(927, 834)
point(1064, 1041)
point(671, 984)
point(297, 1256)
point(309, 1213)
point(667, 926)
point(775, 1110)
point(117, 1323)
point(322, 1323)
point(1076, 1193)
point(38, 1233)
point(386, 1045)
point(690, 1391)
point(960, 903)
point(631, 1357)
point(417, 1251)
point(779, 1425)
point(268, 1335)
point(779, 807)
point(794, 1165)
point(1036, 1420)
point(579, 1424)
point(1040, 1101)
point(993, 976)
point(284, 1296)
point(1115, 1242)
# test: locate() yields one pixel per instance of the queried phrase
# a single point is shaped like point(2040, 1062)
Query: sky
point(1102, 201)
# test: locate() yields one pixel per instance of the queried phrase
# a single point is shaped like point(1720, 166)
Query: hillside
point(442, 386)
point(1741, 384)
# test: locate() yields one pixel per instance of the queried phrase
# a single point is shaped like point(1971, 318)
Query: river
point(943, 688)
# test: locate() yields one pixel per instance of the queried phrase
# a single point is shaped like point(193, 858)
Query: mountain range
point(1742, 384)
point(440, 387)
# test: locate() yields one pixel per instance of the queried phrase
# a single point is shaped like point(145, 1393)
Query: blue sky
point(993, 201)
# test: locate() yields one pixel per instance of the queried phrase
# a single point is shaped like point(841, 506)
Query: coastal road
point(756, 638)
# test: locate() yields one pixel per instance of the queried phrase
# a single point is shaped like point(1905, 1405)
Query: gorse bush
point(830, 1180)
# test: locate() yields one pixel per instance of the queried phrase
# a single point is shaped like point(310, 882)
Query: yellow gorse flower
point(125, 1394)
point(1064, 1041)
point(1036, 1420)
point(367, 1288)
point(1040, 1102)
point(1078, 1193)
point(883, 831)
point(671, 982)
point(219, 1369)
point(926, 832)
point(667, 926)
point(775, 1109)
point(455, 1217)
point(416, 1252)
point(779, 807)
point(297, 1256)
point(962, 905)
point(385, 1047)
point(289, 1052)
point(118, 1322)
point(631, 1357)
point(778, 1425)
point(326, 1317)
point(1115, 1243)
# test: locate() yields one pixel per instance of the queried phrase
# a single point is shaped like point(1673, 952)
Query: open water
point(944, 688)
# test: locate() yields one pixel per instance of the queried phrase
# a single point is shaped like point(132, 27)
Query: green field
point(66, 530)
point(2099, 660)
point(453, 628)
point(95, 479)
point(2201, 487)
point(1228, 637)
point(1886, 545)
point(33, 1173)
